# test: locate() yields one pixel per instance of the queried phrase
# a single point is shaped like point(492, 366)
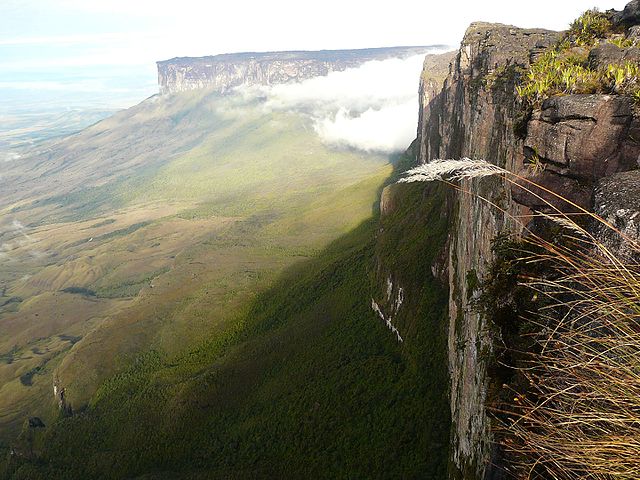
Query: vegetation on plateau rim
point(305, 382)
point(565, 68)
point(567, 308)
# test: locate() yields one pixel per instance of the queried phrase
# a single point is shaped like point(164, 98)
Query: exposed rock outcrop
point(579, 139)
point(475, 116)
point(59, 394)
point(610, 54)
point(435, 70)
point(570, 145)
point(628, 17)
point(617, 200)
point(224, 72)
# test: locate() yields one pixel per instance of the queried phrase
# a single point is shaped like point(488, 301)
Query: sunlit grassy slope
point(302, 382)
point(152, 229)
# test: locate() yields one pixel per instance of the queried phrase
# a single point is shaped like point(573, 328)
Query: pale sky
point(74, 37)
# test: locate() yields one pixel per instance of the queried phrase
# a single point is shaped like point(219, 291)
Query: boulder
point(605, 54)
point(634, 33)
point(609, 54)
point(628, 17)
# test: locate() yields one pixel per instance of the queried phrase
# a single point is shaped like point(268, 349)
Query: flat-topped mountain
point(222, 72)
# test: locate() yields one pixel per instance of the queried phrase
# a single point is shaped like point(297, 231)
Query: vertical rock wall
point(475, 116)
point(222, 73)
point(582, 143)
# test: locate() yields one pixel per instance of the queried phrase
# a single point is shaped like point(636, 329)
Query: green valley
point(306, 382)
point(205, 305)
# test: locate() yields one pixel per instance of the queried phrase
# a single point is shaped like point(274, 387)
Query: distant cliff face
point(223, 72)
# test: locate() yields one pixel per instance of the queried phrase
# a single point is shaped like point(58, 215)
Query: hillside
point(140, 207)
point(306, 381)
point(192, 237)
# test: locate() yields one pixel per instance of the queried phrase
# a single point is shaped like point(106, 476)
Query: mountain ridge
point(225, 71)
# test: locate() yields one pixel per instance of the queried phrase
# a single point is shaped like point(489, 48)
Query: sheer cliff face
point(473, 116)
point(224, 72)
point(581, 140)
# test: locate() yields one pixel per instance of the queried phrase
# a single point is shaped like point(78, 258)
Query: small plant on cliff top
point(589, 27)
point(624, 78)
point(535, 164)
point(621, 42)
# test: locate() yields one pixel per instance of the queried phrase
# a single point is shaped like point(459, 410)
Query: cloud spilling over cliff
point(373, 107)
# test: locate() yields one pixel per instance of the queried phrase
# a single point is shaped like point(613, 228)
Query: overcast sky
point(73, 37)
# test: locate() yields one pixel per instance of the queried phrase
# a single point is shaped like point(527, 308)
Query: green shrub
point(565, 69)
point(589, 27)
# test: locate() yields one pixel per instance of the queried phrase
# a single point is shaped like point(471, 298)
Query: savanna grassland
point(197, 273)
point(152, 228)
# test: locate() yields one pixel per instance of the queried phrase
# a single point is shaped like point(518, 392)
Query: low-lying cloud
point(387, 129)
point(372, 108)
point(14, 237)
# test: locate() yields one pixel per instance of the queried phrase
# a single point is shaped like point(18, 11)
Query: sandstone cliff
point(223, 72)
point(581, 142)
point(474, 116)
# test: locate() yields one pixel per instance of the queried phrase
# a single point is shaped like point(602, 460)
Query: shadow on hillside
point(306, 383)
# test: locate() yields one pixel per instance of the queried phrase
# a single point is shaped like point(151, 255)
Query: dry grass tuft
point(579, 416)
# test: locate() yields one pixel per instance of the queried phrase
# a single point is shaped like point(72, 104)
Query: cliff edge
point(576, 144)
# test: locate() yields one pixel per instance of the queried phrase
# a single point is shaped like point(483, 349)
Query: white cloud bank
point(372, 108)
point(388, 129)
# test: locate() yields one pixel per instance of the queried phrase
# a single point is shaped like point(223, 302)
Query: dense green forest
point(305, 382)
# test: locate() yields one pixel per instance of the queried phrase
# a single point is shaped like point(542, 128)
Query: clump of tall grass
point(579, 416)
point(624, 78)
point(451, 170)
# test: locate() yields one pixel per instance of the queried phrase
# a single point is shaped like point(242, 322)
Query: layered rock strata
point(576, 145)
point(224, 72)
